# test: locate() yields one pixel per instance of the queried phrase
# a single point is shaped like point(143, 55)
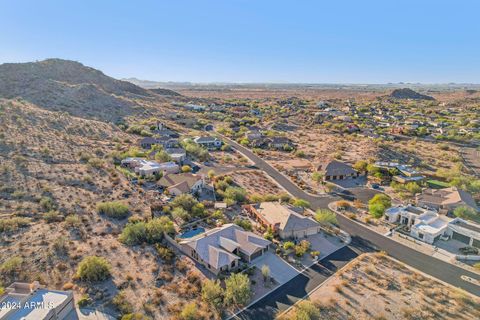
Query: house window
point(420, 235)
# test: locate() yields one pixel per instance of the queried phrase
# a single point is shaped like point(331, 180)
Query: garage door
point(256, 255)
point(476, 243)
point(461, 237)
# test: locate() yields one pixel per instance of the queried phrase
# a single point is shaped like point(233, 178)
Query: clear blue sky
point(252, 41)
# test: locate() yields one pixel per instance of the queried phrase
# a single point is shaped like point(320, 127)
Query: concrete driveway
point(280, 270)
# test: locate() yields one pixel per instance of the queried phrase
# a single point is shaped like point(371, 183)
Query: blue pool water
point(192, 233)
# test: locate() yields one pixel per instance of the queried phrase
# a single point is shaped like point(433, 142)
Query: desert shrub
point(244, 223)
point(84, 301)
point(237, 290)
point(113, 209)
point(326, 216)
point(301, 248)
point(465, 213)
point(306, 310)
point(68, 286)
point(342, 204)
point(134, 233)
point(47, 203)
point(13, 224)
point(288, 245)
point(301, 203)
point(135, 316)
point(52, 216)
point(11, 265)
point(121, 302)
point(186, 168)
point(73, 221)
point(95, 163)
point(189, 312)
point(165, 253)
point(378, 204)
point(212, 293)
point(235, 195)
point(93, 268)
point(151, 231)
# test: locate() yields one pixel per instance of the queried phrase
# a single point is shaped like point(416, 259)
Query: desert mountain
point(166, 92)
point(406, 93)
point(69, 86)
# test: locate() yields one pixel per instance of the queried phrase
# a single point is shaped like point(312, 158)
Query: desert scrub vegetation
point(137, 232)
point(11, 266)
point(113, 209)
point(13, 224)
point(93, 268)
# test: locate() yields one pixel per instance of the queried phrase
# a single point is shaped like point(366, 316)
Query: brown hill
point(69, 86)
point(166, 92)
point(406, 93)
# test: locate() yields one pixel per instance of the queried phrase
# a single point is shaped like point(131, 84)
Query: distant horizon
point(304, 83)
point(247, 41)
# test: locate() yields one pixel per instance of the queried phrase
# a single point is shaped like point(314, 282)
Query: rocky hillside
point(69, 86)
point(166, 92)
point(406, 93)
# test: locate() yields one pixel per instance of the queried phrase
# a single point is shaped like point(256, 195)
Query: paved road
point(437, 268)
point(471, 157)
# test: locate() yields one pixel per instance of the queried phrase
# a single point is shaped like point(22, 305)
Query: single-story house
point(182, 183)
point(208, 142)
point(17, 301)
point(445, 200)
point(337, 170)
point(221, 248)
point(283, 220)
point(177, 154)
point(164, 141)
point(429, 226)
point(280, 143)
point(148, 168)
point(464, 231)
point(405, 215)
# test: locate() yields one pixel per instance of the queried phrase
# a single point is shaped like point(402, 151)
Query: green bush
point(73, 221)
point(135, 316)
point(113, 209)
point(244, 223)
point(326, 216)
point(378, 204)
point(237, 290)
point(212, 293)
point(151, 231)
point(47, 203)
point(134, 233)
point(93, 268)
point(11, 265)
point(52, 216)
point(189, 312)
point(301, 203)
point(122, 304)
point(13, 224)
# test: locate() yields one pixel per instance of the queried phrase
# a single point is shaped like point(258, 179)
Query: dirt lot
point(375, 286)
point(255, 181)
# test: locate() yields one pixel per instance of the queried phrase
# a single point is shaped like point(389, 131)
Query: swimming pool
point(192, 233)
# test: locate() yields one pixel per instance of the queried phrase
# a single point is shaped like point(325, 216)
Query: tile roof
point(447, 196)
point(336, 168)
point(288, 220)
point(216, 246)
point(182, 179)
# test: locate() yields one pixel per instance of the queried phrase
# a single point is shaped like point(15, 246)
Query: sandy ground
point(375, 286)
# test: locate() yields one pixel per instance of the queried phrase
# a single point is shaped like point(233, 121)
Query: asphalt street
point(363, 239)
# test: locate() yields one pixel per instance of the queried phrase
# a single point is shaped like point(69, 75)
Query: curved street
point(363, 240)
